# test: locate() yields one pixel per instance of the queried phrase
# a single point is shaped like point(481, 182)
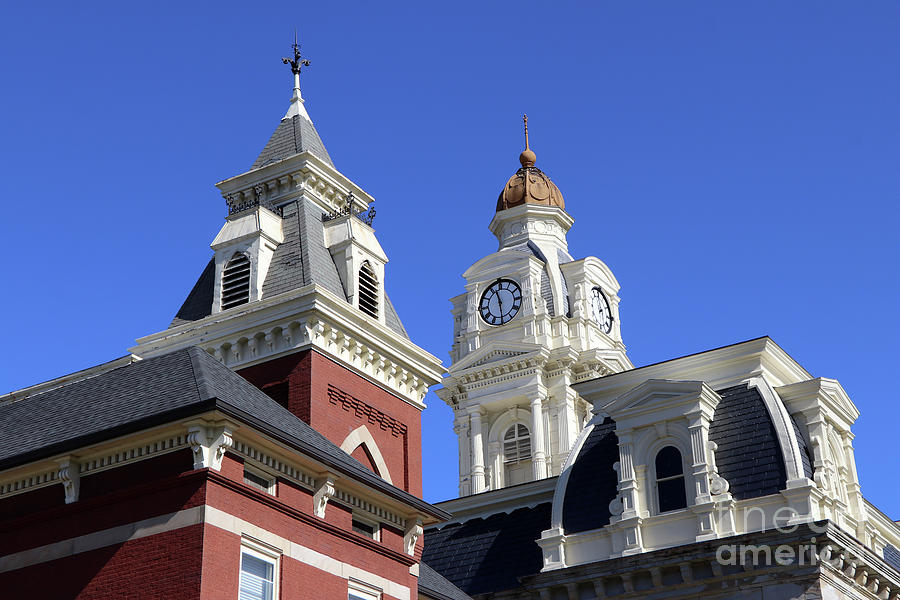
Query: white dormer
point(360, 263)
point(244, 248)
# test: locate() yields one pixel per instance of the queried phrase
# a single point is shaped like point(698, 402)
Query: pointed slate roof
point(295, 134)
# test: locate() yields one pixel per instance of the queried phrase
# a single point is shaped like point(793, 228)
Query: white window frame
point(370, 522)
point(262, 552)
point(262, 473)
point(357, 590)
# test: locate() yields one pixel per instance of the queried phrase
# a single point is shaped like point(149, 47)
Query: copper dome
point(529, 185)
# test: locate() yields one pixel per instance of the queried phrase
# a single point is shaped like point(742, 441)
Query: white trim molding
point(361, 436)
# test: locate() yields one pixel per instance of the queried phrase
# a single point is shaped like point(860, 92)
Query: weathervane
point(298, 62)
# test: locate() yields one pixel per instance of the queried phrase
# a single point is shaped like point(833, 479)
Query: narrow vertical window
point(368, 290)
point(236, 281)
point(516, 444)
point(670, 480)
point(257, 576)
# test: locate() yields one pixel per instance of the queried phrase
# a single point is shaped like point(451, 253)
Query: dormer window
point(516, 444)
point(368, 290)
point(670, 480)
point(236, 281)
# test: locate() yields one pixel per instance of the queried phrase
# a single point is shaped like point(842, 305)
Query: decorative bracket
point(70, 477)
point(718, 485)
point(413, 533)
point(209, 444)
point(323, 494)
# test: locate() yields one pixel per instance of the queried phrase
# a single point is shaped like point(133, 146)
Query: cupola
point(529, 185)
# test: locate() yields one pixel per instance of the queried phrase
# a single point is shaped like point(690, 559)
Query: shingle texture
point(156, 391)
point(199, 302)
point(300, 260)
point(892, 557)
point(749, 455)
point(292, 136)
point(486, 555)
point(436, 585)
point(592, 482)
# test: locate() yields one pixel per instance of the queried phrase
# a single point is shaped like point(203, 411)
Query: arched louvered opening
point(368, 290)
point(236, 281)
point(517, 454)
point(670, 480)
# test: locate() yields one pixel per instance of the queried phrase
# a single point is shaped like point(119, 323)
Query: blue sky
point(735, 164)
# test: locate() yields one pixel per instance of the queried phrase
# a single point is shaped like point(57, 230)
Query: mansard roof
point(295, 134)
point(302, 259)
point(156, 391)
point(489, 554)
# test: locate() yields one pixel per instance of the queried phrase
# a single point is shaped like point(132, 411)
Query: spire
point(297, 65)
point(296, 133)
point(527, 158)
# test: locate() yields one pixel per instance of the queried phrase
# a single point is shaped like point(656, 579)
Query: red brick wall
point(309, 375)
point(166, 566)
point(145, 489)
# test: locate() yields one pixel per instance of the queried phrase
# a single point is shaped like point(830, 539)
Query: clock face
point(600, 310)
point(500, 302)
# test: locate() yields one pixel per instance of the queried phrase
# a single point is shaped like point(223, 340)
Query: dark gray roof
point(300, 260)
point(437, 586)
point(748, 456)
point(892, 557)
point(592, 481)
point(160, 390)
point(198, 304)
point(489, 554)
point(292, 136)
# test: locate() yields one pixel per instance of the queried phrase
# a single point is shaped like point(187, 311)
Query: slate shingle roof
point(748, 456)
point(161, 390)
point(486, 555)
point(437, 586)
point(292, 136)
point(892, 557)
point(592, 482)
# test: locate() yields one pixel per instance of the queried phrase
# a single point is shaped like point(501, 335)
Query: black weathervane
point(298, 62)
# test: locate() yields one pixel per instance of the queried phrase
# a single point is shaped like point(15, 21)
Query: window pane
point(671, 494)
point(257, 578)
point(668, 462)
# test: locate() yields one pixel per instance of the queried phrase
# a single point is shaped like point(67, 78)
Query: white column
point(477, 451)
point(461, 427)
point(538, 457)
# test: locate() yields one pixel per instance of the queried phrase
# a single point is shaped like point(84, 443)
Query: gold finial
point(527, 158)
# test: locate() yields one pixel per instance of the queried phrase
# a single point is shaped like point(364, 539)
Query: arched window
point(236, 281)
point(368, 290)
point(516, 444)
point(670, 479)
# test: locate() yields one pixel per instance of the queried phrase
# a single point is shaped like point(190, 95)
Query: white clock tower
point(531, 322)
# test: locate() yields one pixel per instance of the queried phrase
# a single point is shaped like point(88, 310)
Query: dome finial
point(527, 158)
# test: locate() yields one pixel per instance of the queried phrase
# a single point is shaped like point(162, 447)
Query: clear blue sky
point(734, 163)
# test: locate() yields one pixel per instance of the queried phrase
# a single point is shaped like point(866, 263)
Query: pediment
point(659, 394)
point(494, 352)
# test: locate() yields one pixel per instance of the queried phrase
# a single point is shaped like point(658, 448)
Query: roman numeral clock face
point(600, 310)
point(500, 302)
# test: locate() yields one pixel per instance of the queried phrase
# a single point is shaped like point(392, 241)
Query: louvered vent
point(236, 281)
point(516, 444)
point(368, 290)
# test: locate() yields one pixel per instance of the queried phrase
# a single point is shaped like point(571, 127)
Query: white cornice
point(504, 500)
point(308, 317)
point(719, 367)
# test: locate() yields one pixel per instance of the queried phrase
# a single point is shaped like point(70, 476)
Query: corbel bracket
point(323, 494)
point(209, 441)
point(70, 477)
point(413, 533)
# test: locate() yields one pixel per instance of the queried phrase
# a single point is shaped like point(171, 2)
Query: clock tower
point(531, 322)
